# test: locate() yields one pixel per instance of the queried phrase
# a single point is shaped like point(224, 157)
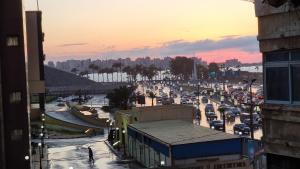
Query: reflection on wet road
point(73, 153)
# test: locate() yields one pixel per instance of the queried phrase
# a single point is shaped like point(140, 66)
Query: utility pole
point(251, 106)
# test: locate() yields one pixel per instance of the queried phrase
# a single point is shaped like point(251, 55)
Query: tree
point(138, 70)
point(202, 72)
point(119, 97)
point(150, 72)
point(92, 67)
point(128, 71)
point(118, 67)
point(152, 95)
point(182, 67)
point(74, 70)
point(100, 71)
point(213, 68)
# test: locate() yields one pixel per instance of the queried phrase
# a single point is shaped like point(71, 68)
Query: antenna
point(37, 4)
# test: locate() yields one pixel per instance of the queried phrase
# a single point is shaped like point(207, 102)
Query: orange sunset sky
point(215, 30)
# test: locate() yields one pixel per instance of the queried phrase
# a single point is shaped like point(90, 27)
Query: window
point(15, 97)
point(282, 77)
point(296, 56)
point(12, 41)
point(277, 83)
point(296, 82)
point(277, 56)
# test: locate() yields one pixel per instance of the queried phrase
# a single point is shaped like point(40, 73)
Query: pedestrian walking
point(91, 156)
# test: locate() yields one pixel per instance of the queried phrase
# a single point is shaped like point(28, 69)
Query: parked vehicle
point(256, 123)
point(244, 116)
point(235, 110)
point(211, 116)
point(204, 99)
point(241, 129)
point(230, 116)
point(216, 125)
point(209, 108)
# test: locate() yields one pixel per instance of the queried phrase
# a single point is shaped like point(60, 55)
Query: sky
point(214, 30)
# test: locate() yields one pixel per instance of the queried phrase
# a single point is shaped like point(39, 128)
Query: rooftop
point(176, 132)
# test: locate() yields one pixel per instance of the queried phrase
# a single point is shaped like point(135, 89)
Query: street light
point(251, 106)
point(123, 141)
point(40, 147)
point(198, 102)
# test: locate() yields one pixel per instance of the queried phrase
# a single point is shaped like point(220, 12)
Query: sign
point(239, 164)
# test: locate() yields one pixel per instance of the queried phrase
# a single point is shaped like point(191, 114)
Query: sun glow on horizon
point(81, 28)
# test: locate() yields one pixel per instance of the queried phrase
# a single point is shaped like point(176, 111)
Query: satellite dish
point(277, 3)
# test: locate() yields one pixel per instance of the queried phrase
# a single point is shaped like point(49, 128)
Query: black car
point(204, 100)
point(209, 108)
point(235, 110)
point(256, 123)
point(241, 129)
point(211, 115)
point(230, 116)
point(216, 125)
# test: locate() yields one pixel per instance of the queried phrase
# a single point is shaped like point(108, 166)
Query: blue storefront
point(152, 151)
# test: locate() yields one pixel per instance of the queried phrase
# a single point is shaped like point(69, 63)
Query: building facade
point(180, 144)
point(279, 37)
point(14, 122)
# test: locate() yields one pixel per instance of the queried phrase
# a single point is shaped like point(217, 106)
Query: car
point(209, 108)
point(216, 125)
point(204, 100)
point(211, 116)
point(223, 106)
point(256, 123)
point(241, 129)
point(244, 116)
point(229, 116)
point(235, 110)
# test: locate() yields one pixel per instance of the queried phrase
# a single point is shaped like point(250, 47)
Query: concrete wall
point(166, 112)
point(35, 52)
point(279, 29)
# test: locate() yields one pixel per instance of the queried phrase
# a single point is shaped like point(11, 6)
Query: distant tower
point(194, 75)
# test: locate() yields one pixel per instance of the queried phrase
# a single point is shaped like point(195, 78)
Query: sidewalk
point(38, 162)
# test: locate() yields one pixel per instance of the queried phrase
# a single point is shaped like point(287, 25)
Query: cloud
point(245, 48)
point(72, 44)
point(247, 44)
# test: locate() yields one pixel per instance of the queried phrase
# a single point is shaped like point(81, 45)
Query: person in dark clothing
point(91, 156)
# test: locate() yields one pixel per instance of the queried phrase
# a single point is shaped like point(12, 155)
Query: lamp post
point(198, 102)
point(222, 111)
point(251, 106)
point(40, 154)
point(107, 123)
point(42, 134)
point(123, 141)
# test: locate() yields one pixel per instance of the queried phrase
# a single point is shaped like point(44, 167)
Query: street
point(73, 154)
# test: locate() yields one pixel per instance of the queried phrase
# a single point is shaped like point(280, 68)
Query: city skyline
point(214, 30)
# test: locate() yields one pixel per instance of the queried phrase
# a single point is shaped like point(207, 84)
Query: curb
point(119, 155)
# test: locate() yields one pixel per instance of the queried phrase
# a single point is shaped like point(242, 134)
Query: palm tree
point(138, 69)
point(118, 67)
point(128, 71)
point(92, 68)
point(152, 96)
point(74, 70)
point(100, 71)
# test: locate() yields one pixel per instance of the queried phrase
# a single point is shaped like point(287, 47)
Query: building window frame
point(289, 64)
point(12, 41)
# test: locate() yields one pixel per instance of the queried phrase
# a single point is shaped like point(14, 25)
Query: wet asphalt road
point(73, 154)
